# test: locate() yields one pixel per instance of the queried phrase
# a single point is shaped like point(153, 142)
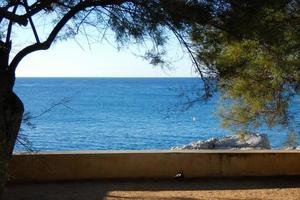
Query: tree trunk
point(11, 113)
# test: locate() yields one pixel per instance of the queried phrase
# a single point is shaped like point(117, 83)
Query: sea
point(121, 114)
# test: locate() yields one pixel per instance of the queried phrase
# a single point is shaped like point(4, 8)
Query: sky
point(82, 57)
point(76, 58)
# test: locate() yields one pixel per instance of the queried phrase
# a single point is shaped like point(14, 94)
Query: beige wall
point(152, 164)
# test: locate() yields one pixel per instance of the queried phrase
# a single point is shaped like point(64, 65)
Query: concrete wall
point(152, 164)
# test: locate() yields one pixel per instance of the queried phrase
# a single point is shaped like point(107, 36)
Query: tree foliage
point(253, 48)
point(48, 21)
point(131, 21)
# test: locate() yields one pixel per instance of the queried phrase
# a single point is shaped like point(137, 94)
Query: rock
point(289, 148)
point(251, 141)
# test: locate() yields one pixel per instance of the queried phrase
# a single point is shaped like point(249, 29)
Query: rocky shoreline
point(251, 141)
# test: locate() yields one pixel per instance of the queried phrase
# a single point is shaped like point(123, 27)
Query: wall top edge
point(159, 152)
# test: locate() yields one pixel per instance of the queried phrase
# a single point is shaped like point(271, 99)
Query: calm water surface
point(119, 113)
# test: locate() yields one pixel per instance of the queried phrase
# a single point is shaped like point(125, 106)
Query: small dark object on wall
point(179, 175)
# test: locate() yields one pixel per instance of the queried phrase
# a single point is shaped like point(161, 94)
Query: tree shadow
point(131, 189)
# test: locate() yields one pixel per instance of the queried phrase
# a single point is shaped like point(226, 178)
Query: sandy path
point(219, 189)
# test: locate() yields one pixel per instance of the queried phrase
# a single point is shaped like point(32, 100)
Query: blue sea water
point(119, 113)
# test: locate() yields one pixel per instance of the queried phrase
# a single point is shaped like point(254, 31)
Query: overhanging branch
point(32, 24)
point(71, 13)
point(22, 20)
point(10, 26)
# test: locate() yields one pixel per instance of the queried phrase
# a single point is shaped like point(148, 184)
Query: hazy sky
point(74, 58)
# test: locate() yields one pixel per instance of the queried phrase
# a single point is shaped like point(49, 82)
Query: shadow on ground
point(148, 189)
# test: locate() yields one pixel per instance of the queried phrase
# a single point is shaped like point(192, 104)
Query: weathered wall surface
point(152, 164)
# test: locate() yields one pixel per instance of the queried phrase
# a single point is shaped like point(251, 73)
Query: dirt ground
point(271, 188)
